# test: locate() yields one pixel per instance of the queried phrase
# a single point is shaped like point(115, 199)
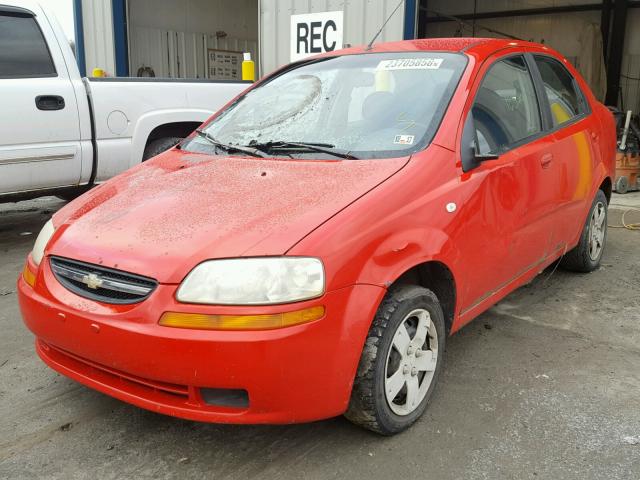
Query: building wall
point(172, 36)
point(362, 19)
point(559, 31)
point(630, 79)
point(98, 35)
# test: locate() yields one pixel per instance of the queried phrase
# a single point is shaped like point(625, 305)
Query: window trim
point(24, 13)
point(582, 99)
point(530, 138)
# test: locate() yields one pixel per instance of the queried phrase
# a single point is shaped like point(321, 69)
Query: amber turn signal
point(28, 276)
point(241, 322)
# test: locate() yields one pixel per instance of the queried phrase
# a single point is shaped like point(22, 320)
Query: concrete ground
point(544, 385)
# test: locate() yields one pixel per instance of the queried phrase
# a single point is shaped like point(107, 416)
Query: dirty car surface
point(306, 252)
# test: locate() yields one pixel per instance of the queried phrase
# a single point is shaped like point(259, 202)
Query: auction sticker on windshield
point(410, 64)
point(403, 139)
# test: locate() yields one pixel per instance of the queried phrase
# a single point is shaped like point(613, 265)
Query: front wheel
point(400, 362)
point(586, 256)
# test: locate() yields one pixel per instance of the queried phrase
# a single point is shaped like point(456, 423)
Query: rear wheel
point(156, 147)
point(400, 362)
point(586, 256)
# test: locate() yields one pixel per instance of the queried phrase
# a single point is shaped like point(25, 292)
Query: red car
point(306, 252)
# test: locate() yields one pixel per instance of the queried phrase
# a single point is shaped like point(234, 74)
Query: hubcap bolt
point(410, 351)
point(405, 369)
point(414, 372)
point(419, 352)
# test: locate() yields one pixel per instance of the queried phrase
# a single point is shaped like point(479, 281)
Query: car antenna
point(383, 25)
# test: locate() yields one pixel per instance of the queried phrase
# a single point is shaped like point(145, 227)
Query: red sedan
point(306, 253)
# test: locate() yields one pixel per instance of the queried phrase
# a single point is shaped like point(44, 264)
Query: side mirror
point(470, 152)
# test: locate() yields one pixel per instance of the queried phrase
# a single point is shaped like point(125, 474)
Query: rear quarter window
point(565, 97)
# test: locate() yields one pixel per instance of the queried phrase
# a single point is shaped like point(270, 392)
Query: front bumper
point(295, 374)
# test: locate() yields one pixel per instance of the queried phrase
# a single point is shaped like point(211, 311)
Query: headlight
point(253, 281)
point(41, 242)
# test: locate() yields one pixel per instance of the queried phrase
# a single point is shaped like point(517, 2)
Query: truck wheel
point(622, 184)
point(400, 362)
point(586, 256)
point(156, 147)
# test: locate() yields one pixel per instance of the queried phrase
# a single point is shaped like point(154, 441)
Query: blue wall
point(79, 32)
point(120, 37)
point(410, 13)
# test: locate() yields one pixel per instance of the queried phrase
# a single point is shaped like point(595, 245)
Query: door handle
point(545, 160)
point(49, 102)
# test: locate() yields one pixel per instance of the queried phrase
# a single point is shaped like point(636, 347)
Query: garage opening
point(197, 39)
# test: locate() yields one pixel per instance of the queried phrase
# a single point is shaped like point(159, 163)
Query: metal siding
point(561, 32)
point(98, 35)
point(461, 7)
point(630, 81)
point(362, 19)
point(186, 28)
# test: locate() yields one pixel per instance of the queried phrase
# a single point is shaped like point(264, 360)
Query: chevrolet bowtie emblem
point(92, 281)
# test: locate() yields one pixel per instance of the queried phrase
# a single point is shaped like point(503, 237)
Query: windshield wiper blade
point(303, 146)
point(254, 152)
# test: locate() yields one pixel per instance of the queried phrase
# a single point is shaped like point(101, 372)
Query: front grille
point(101, 284)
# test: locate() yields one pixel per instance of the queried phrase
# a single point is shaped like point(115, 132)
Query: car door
point(40, 134)
point(574, 131)
point(511, 195)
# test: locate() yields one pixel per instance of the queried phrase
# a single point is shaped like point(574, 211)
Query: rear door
point(574, 131)
point(39, 138)
point(508, 232)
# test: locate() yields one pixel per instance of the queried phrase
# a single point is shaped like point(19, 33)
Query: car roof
point(469, 45)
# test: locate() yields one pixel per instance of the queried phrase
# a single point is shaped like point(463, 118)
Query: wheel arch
point(606, 186)
point(437, 277)
point(159, 122)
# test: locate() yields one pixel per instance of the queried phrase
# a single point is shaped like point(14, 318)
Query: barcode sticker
point(411, 64)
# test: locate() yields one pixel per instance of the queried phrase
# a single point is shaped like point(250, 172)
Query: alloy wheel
point(411, 362)
point(597, 229)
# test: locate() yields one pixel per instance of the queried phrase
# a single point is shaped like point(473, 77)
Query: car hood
point(165, 216)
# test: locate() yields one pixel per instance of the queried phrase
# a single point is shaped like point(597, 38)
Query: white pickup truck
point(61, 133)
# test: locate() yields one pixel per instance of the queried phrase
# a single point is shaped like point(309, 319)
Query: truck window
point(564, 97)
point(23, 50)
point(505, 110)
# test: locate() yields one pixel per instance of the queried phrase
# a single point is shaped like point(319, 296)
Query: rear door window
point(505, 110)
point(565, 98)
point(23, 50)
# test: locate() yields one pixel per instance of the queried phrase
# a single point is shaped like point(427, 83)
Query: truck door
point(40, 134)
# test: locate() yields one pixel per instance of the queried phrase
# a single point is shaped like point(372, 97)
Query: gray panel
point(362, 19)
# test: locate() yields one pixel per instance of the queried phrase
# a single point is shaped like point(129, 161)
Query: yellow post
point(98, 72)
point(248, 68)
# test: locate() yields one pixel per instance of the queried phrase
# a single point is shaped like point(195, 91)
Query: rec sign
point(315, 33)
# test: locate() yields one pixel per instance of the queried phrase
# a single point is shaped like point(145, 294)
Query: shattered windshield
point(354, 106)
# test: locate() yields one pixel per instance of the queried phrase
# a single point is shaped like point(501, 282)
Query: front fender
point(406, 249)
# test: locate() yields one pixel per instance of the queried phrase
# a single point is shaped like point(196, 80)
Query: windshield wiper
point(282, 145)
point(254, 152)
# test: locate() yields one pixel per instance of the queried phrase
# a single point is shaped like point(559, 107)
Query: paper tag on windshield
point(410, 64)
point(403, 139)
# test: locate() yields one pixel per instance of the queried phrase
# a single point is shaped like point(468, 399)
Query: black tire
point(622, 184)
point(579, 259)
point(368, 406)
point(159, 145)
